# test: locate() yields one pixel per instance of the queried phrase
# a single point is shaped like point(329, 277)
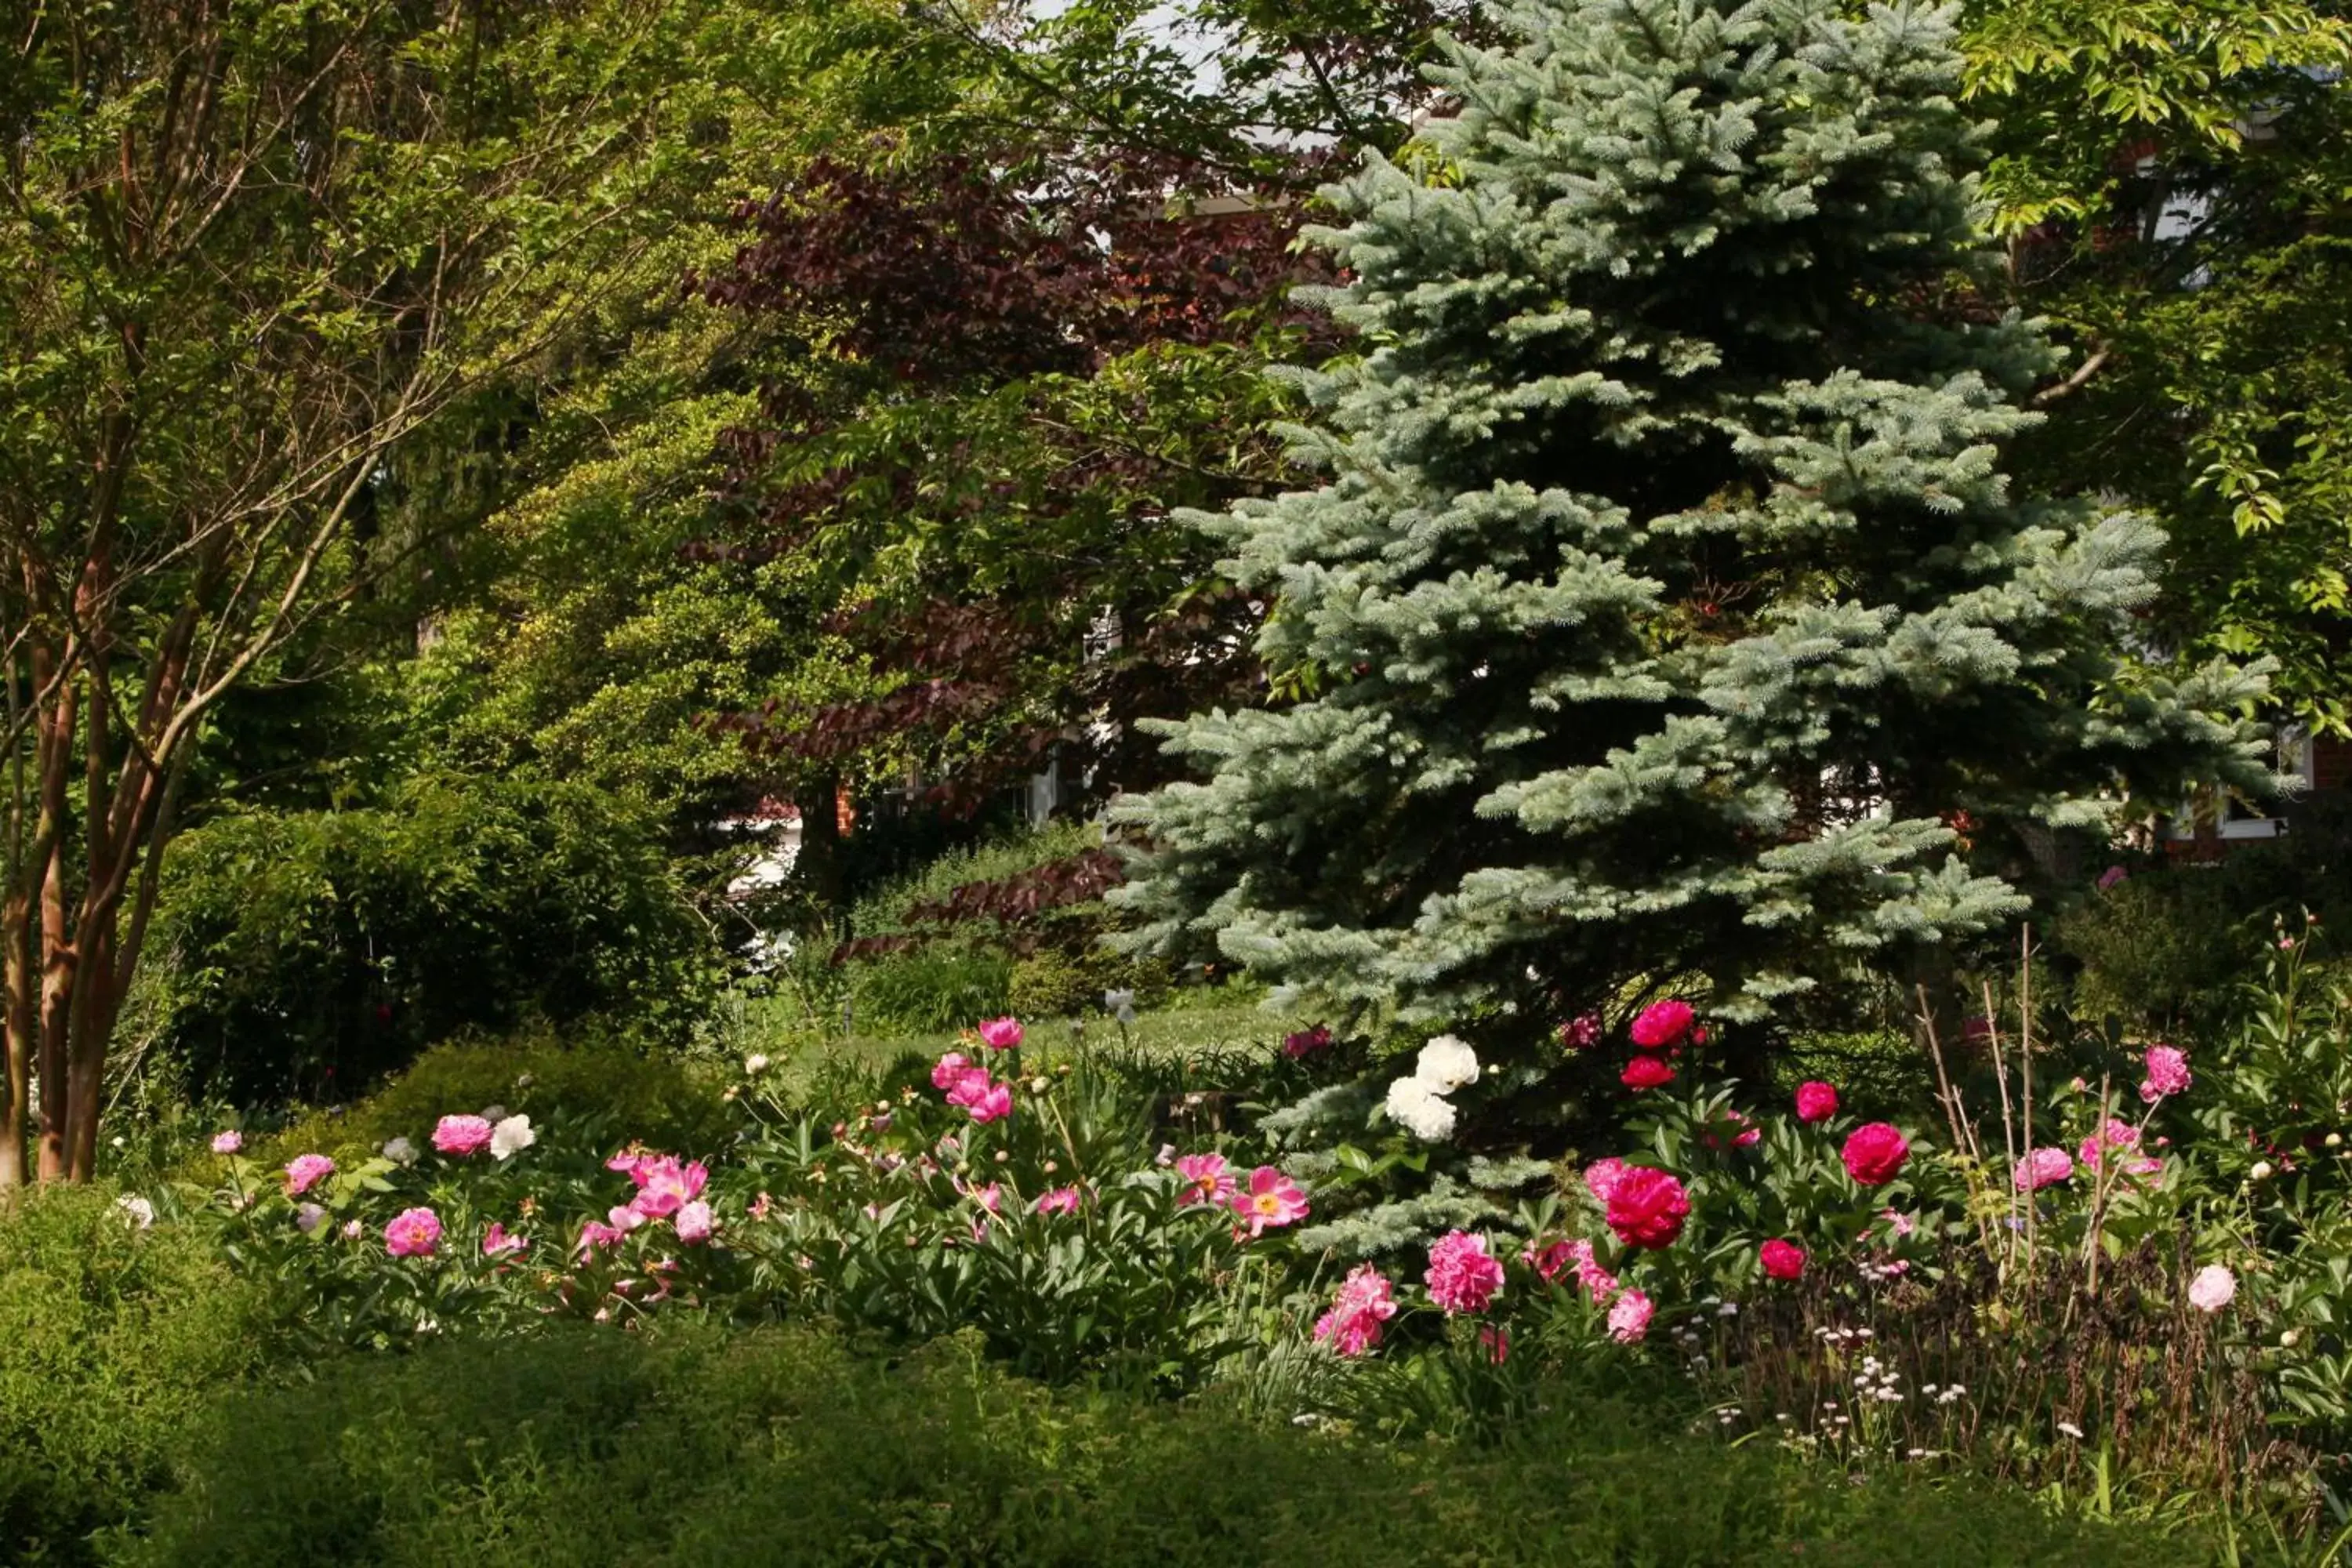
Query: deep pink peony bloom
point(413, 1233)
point(2168, 1073)
point(1206, 1180)
point(1875, 1153)
point(307, 1170)
point(1548, 1262)
point(949, 1069)
point(1000, 1034)
point(1496, 1339)
point(993, 1106)
point(1462, 1277)
point(1661, 1024)
point(1365, 1301)
point(227, 1143)
point(1273, 1200)
point(1782, 1260)
point(1306, 1042)
point(1057, 1200)
point(1581, 1032)
point(1598, 1282)
point(1601, 1176)
point(1747, 1137)
point(2123, 1137)
point(461, 1135)
point(1646, 1072)
point(1629, 1320)
point(1816, 1102)
point(2042, 1168)
point(663, 1185)
point(497, 1243)
point(1647, 1208)
point(693, 1222)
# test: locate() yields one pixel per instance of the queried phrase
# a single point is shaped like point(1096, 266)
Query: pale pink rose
point(2213, 1289)
point(1629, 1320)
point(1000, 1034)
point(1365, 1301)
point(462, 1135)
point(413, 1233)
point(305, 1172)
point(693, 1222)
point(227, 1141)
point(1273, 1200)
point(1462, 1277)
point(1206, 1180)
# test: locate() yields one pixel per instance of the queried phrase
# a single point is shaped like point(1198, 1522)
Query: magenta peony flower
point(2213, 1289)
point(1629, 1320)
point(627, 1161)
point(993, 1106)
point(1496, 1341)
point(1000, 1034)
point(1306, 1042)
point(1601, 1176)
point(1205, 1179)
point(2042, 1168)
point(1273, 1200)
point(2168, 1073)
point(693, 1223)
point(1647, 1208)
point(1875, 1153)
point(1597, 1282)
point(1747, 1137)
point(461, 1135)
point(989, 1197)
point(1782, 1260)
point(949, 1070)
point(413, 1233)
point(1646, 1072)
point(1581, 1033)
point(305, 1172)
point(1057, 1200)
point(2116, 1136)
point(1462, 1277)
point(594, 1237)
point(497, 1243)
point(227, 1141)
point(1365, 1301)
point(1661, 1024)
point(1816, 1102)
point(1548, 1262)
point(664, 1184)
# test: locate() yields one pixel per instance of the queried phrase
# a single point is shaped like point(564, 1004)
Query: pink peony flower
point(305, 1172)
point(1000, 1034)
point(1205, 1179)
point(664, 1184)
point(1462, 1277)
point(1581, 1033)
point(968, 1086)
point(497, 1243)
point(989, 1197)
point(627, 1161)
point(1057, 1200)
point(1875, 1153)
point(1661, 1024)
point(2111, 876)
point(1646, 1072)
point(228, 1142)
point(2116, 1136)
point(1601, 1176)
point(1629, 1320)
point(413, 1233)
point(2213, 1289)
point(1747, 1137)
point(1306, 1042)
point(1816, 1102)
point(2168, 1073)
point(1647, 1208)
point(624, 1218)
point(993, 1106)
point(693, 1223)
point(949, 1070)
point(1365, 1301)
point(1548, 1262)
point(1273, 1200)
point(1598, 1282)
point(2042, 1168)
point(461, 1135)
point(1496, 1339)
point(1898, 1224)
point(1782, 1260)
point(594, 1237)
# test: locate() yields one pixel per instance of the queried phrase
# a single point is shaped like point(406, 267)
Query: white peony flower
point(399, 1149)
point(1420, 1110)
point(1445, 1064)
point(2213, 1289)
point(141, 1212)
point(755, 1064)
point(511, 1136)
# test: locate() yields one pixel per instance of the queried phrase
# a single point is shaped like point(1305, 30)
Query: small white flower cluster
point(1418, 1103)
point(1841, 1335)
point(1877, 1381)
point(1947, 1396)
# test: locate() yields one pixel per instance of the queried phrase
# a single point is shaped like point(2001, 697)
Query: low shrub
point(114, 1337)
point(781, 1446)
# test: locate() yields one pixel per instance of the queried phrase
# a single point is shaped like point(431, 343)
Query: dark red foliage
point(1081, 878)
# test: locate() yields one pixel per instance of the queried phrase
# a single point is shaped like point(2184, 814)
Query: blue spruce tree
point(1668, 602)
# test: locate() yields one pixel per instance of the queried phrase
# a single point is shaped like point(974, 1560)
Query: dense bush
point(113, 1338)
point(778, 1447)
point(310, 953)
